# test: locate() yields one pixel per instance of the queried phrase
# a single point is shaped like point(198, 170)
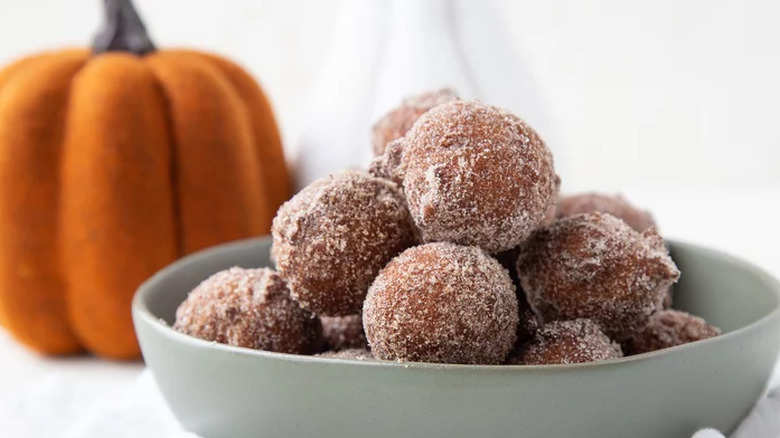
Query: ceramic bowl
point(222, 391)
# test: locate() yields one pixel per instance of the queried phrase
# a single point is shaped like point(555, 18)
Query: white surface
point(75, 412)
point(654, 91)
point(58, 407)
point(21, 368)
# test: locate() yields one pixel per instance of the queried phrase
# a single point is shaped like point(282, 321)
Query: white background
point(639, 93)
point(674, 102)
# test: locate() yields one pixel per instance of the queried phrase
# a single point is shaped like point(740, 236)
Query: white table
point(20, 367)
point(742, 221)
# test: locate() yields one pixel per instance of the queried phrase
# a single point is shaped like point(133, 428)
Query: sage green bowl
point(222, 391)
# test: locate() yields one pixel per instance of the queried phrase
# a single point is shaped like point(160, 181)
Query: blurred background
point(633, 94)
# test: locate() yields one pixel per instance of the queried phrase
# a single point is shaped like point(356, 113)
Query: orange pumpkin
point(113, 163)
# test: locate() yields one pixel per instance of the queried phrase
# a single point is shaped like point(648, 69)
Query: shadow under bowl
point(218, 390)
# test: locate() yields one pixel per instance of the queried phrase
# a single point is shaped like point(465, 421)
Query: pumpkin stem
point(122, 30)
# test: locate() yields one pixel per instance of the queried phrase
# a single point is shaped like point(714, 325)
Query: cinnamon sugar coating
point(444, 303)
point(249, 308)
point(669, 298)
point(332, 238)
point(475, 174)
point(388, 165)
point(668, 328)
point(351, 353)
point(616, 205)
point(567, 342)
point(343, 332)
point(550, 215)
point(397, 122)
point(595, 266)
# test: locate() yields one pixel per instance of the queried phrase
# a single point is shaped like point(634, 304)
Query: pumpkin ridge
point(173, 171)
point(220, 192)
point(32, 130)
point(7, 74)
point(267, 138)
point(117, 222)
point(8, 71)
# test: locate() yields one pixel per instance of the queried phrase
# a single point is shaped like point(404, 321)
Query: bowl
point(218, 390)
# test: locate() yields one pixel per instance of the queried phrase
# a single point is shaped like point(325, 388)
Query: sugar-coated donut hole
point(669, 328)
point(249, 308)
point(397, 122)
point(595, 266)
point(332, 238)
point(616, 205)
point(567, 342)
point(343, 332)
point(475, 174)
point(442, 302)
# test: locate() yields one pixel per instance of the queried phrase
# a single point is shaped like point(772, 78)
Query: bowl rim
point(142, 314)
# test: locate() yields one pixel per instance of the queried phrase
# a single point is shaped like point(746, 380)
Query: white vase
point(385, 50)
point(421, 53)
point(338, 113)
